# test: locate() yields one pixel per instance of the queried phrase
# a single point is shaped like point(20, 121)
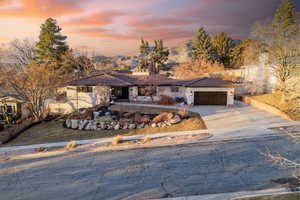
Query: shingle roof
point(102, 79)
point(118, 79)
point(207, 82)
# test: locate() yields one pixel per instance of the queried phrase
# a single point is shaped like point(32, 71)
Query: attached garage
point(210, 91)
point(210, 98)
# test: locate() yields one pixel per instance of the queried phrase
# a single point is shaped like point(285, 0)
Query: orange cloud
point(42, 9)
point(96, 19)
point(5, 2)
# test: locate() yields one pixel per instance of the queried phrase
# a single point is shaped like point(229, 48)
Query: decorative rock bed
point(105, 119)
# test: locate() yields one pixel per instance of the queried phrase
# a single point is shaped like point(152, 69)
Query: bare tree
point(283, 161)
point(34, 85)
point(21, 51)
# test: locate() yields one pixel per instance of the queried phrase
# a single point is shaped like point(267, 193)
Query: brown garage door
point(210, 98)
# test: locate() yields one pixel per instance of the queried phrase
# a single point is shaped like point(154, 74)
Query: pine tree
point(160, 55)
point(152, 59)
point(51, 45)
point(202, 46)
point(223, 46)
point(285, 20)
point(144, 48)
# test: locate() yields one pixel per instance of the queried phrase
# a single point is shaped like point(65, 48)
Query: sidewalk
point(235, 195)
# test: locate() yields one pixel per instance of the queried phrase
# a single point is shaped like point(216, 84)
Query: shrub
point(147, 139)
point(71, 145)
point(117, 140)
point(166, 100)
point(198, 68)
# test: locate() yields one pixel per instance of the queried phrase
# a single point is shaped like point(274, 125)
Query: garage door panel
point(210, 98)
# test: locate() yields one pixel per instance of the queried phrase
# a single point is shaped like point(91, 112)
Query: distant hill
point(181, 53)
point(178, 55)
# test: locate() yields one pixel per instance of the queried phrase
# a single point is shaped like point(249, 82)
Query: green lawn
point(276, 197)
point(274, 99)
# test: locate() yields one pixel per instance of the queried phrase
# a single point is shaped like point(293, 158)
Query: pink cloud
point(42, 9)
point(95, 19)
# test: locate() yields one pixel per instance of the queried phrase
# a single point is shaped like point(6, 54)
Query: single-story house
point(93, 90)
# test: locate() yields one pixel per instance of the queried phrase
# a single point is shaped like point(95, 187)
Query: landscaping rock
point(117, 127)
point(168, 123)
point(127, 115)
point(137, 117)
point(93, 125)
point(109, 127)
point(175, 120)
point(68, 123)
point(125, 126)
point(145, 119)
point(88, 126)
point(153, 125)
point(132, 126)
point(82, 124)
point(74, 123)
point(142, 125)
point(163, 117)
point(102, 125)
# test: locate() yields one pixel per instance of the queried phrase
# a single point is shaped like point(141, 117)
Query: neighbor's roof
point(117, 79)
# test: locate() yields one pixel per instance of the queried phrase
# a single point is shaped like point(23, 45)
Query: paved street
point(183, 170)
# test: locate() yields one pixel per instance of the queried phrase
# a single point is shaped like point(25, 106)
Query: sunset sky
point(114, 27)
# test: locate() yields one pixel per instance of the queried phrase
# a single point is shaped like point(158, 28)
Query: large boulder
point(145, 119)
point(163, 117)
point(175, 120)
point(74, 123)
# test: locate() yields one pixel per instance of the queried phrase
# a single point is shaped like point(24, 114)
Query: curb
point(236, 195)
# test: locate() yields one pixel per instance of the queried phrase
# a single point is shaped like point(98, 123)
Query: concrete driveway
point(174, 171)
point(238, 116)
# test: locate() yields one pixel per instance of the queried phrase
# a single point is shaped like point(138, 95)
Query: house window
point(6, 109)
point(174, 89)
point(147, 91)
point(85, 89)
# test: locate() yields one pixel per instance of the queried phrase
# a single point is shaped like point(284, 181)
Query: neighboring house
point(93, 90)
point(10, 104)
